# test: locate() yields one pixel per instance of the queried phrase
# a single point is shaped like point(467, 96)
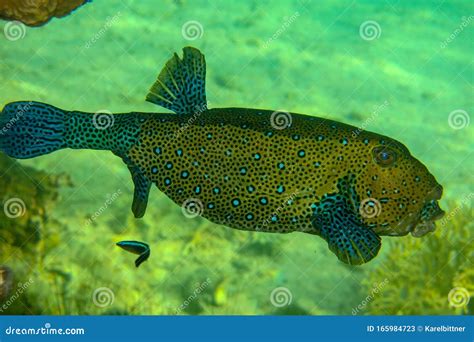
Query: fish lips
point(430, 212)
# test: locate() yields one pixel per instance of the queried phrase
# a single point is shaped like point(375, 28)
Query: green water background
point(301, 56)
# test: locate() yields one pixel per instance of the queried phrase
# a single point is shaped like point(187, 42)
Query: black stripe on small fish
point(136, 247)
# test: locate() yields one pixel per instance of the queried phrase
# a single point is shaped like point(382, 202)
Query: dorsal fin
point(180, 86)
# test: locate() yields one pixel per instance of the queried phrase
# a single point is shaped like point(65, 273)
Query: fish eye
point(384, 155)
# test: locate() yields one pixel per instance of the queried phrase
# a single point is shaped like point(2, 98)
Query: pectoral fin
point(142, 189)
point(180, 86)
point(335, 220)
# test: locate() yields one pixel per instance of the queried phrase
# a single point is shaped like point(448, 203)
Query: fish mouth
point(430, 212)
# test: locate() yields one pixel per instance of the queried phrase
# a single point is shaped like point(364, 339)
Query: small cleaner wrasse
point(242, 168)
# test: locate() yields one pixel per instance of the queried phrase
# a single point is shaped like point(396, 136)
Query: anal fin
point(180, 86)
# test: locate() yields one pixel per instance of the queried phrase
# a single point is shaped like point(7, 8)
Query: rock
point(37, 12)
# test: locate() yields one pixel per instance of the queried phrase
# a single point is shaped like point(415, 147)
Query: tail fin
point(30, 129)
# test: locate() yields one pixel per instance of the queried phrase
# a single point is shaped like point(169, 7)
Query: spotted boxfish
point(249, 169)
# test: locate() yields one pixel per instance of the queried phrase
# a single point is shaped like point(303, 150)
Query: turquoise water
point(409, 76)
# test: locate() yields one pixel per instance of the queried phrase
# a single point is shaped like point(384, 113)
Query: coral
point(430, 275)
point(37, 12)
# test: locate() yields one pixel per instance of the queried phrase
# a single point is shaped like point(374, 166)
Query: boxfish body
point(250, 169)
